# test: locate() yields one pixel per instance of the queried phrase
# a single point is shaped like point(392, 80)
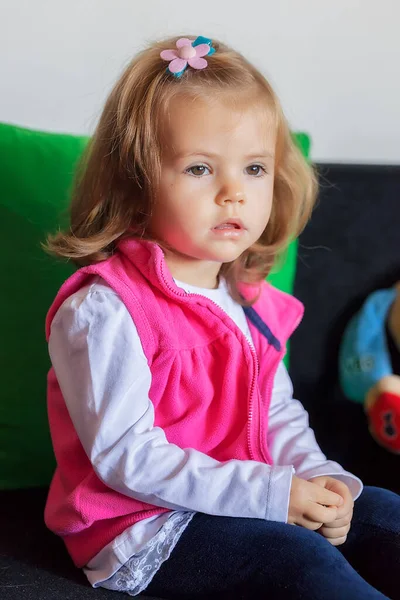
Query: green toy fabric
point(36, 171)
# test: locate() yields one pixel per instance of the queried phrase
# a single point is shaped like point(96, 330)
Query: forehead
point(219, 125)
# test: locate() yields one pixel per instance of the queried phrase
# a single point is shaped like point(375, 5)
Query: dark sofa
point(350, 247)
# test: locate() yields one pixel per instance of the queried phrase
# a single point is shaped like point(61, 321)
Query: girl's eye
point(197, 170)
point(256, 170)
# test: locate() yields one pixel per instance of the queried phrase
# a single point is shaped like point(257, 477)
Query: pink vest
point(206, 387)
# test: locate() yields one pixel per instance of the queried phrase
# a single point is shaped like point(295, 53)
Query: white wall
point(335, 65)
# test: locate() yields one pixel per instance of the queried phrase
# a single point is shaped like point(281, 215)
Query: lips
point(230, 224)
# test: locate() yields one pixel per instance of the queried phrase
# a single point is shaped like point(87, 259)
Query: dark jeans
point(222, 557)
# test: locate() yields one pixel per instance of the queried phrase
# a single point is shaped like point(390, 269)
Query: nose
point(231, 192)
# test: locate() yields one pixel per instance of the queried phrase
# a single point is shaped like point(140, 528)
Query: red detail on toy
point(384, 420)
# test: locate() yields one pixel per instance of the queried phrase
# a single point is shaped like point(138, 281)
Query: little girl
point(183, 462)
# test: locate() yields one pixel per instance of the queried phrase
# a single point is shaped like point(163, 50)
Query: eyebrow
point(252, 156)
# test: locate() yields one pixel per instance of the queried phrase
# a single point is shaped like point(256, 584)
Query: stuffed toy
point(369, 364)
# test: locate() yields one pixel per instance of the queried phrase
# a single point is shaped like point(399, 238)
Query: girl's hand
point(336, 531)
point(312, 505)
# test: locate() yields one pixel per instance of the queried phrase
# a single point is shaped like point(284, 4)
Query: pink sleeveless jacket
point(206, 382)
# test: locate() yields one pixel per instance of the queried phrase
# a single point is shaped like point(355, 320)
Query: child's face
point(217, 164)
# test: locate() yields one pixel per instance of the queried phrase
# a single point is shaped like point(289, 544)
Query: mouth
point(230, 225)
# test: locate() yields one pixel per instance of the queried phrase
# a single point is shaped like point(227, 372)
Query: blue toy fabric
point(364, 356)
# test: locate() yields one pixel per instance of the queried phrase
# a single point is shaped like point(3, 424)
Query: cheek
point(263, 218)
point(264, 202)
point(261, 214)
point(179, 215)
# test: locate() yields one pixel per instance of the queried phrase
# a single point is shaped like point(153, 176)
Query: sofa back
point(350, 248)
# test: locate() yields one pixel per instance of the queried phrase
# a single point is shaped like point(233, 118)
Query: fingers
point(335, 485)
point(335, 536)
point(308, 524)
point(320, 514)
point(346, 508)
point(326, 497)
point(340, 522)
point(330, 533)
point(337, 541)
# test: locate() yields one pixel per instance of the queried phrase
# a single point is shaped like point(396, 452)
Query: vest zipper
point(252, 350)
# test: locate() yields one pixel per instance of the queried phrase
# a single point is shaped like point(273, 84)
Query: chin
point(226, 254)
point(226, 257)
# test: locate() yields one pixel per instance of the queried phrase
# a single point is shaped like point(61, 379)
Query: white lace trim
point(135, 575)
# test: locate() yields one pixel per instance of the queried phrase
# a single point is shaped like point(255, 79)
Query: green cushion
point(36, 171)
point(283, 275)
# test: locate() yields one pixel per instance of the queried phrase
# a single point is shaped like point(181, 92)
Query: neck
point(194, 272)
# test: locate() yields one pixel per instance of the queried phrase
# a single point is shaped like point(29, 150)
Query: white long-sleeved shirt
point(103, 373)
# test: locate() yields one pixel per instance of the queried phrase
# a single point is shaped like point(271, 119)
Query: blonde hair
point(117, 176)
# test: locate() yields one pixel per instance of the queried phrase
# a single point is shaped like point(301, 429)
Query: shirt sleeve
point(105, 380)
point(292, 441)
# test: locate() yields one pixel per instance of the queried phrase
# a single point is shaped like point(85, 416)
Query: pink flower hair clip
point(188, 52)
